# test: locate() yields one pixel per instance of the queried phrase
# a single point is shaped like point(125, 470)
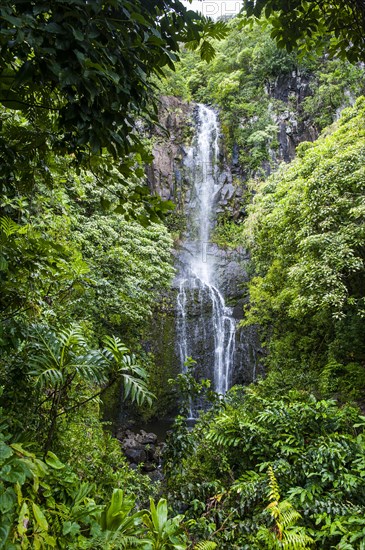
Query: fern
point(8, 227)
point(274, 494)
point(285, 534)
point(113, 541)
point(205, 545)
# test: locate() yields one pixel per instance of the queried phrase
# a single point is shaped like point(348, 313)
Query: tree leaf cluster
point(337, 27)
point(87, 65)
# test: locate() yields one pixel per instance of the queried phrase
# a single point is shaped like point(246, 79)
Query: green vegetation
point(228, 234)
point(85, 260)
point(83, 257)
point(262, 472)
point(306, 233)
point(280, 465)
point(337, 26)
point(245, 80)
point(86, 66)
point(45, 505)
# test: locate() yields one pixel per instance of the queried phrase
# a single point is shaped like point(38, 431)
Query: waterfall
point(205, 326)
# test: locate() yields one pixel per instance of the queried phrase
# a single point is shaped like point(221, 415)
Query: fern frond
point(289, 516)
point(205, 545)
point(113, 540)
point(274, 494)
point(130, 542)
point(296, 539)
point(8, 227)
point(286, 534)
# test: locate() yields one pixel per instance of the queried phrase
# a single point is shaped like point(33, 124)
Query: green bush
point(314, 450)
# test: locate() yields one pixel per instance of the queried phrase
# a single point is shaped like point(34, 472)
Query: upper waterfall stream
point(205, 326)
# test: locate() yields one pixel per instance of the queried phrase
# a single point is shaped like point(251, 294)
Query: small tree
point(63, 365)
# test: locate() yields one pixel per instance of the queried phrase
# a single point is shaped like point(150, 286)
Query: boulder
point(141, 448)
point(148, 438)
point(136, 456)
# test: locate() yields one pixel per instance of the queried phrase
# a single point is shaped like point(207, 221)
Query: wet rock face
point(230, 274)
point(165, 174)
point(169, 177)
point(249, 354)
point(286, 85)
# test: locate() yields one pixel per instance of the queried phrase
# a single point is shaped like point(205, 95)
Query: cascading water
point(205, 326)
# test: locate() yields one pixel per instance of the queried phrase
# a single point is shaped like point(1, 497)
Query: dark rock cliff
point(292, 129)
point(170, 139)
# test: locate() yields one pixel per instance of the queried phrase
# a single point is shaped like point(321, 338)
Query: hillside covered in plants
point(99, 110)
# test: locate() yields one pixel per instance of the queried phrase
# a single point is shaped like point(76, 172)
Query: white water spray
point(206, 328)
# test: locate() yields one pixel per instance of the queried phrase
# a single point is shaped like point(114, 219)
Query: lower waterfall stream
point(205, 326)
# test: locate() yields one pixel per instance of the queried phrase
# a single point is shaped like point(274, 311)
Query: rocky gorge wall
point(168, 176)
point(291, 90)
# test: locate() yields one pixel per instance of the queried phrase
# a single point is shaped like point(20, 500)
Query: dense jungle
point(182, 276)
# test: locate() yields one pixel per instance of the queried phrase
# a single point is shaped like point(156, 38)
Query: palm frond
point(91, 367)
point(136, 390)
point(45, 346)
point(71, 340)
point(114, 349)
point(134, 377)
point(48, 378)
point(56, 356)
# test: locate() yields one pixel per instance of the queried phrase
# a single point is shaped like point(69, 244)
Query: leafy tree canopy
point(86, 65)
point(305, 230)
point(338, 24)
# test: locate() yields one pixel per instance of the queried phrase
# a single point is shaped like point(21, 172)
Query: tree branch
point(89, 398)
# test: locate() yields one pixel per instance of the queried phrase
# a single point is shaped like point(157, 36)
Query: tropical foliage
point(334, 26)
point(84, 258)
point(260, 472)
point(306, 234)
point(78, 277)
point(258, 86)
point(44, 505)
point(85, 67)
point(280, 465)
